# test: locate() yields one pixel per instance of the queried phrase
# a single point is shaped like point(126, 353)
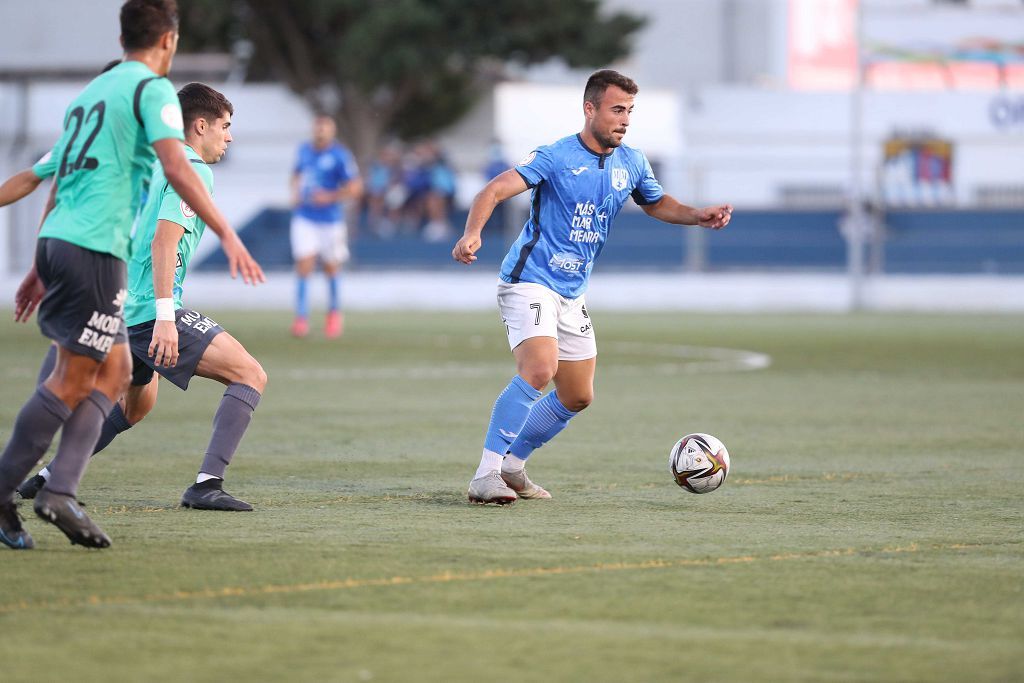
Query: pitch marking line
point(685, 360)
point(452, 577)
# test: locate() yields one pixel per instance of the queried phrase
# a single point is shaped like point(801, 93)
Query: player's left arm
point(670, 210)
point(163, 349)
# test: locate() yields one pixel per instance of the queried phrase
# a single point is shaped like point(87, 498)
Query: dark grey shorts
point(195, 332)
point(83, 308)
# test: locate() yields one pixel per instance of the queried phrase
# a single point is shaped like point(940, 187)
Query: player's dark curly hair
point(144, 21)
point(199, 101)
point(599, 82)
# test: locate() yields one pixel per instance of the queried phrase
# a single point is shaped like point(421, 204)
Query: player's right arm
point(30, 292)
point(163, 348)
point(19, 186)
point(500, 188)
point(189, 186)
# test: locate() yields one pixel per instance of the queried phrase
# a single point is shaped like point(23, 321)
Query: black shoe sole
point(75, 534)
point(193, 506)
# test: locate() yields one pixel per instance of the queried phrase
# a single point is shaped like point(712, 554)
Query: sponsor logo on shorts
point(119, 300)
point(197, 321)
point(99, 332)
point(186, 210)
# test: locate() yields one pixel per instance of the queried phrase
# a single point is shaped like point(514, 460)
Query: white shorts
point(329, 241)
point(532, 310)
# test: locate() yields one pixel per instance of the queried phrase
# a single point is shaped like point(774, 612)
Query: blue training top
point(326, 169)
point(576, 194)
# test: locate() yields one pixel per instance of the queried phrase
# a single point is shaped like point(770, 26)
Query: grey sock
point(115, 423)
point(49, 363)
point(77, 442)
point(229, 424)
point(39, 419)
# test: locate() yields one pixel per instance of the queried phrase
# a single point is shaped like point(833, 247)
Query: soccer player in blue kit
point(325, 175)
point(579, 185)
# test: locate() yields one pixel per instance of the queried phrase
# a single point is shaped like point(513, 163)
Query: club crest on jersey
point(186, 210)
point(171, 116)
point(620, 178)
point(527, 159)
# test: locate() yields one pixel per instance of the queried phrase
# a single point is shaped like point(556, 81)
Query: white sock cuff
point(489, 462)
point(512, 464)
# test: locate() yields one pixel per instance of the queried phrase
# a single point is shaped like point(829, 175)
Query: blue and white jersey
point(325, 169)
point(576, 195)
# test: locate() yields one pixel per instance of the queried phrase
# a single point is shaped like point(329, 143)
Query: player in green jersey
point(113, 131)
point(174, 341)
point(16, 188)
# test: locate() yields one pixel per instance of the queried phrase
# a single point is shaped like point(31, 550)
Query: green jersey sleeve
point(159, 111)
point(46, 167)
point(176, 210)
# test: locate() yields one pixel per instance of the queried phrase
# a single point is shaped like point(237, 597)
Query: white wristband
point(165, 309)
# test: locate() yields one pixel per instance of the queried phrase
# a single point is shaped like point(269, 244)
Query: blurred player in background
point(181, 343)
point(325, 175)
point(579, 185)
point(113, 132)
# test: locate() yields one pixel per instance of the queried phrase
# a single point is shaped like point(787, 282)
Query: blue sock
point(509, 414)
point(547, 418)
point(301, 300)
point(333, 292)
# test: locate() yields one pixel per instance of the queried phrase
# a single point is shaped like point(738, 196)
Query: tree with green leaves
point(404, 68)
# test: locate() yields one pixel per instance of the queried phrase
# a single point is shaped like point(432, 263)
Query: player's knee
point(70, 393)
point(537, 376)
point(579, 402)
point(124, 379)
point(256, 376)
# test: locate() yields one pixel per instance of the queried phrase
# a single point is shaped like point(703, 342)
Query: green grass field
point(870, 528)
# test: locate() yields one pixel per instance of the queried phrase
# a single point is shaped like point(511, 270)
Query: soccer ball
point(699, 463)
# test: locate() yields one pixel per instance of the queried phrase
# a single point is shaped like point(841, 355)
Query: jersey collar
point(600, 156)
point(193, 155)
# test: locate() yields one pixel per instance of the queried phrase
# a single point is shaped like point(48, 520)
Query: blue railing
point(920, 241)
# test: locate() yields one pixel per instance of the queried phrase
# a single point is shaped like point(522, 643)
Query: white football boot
point(521, 484)
point(491, 489)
